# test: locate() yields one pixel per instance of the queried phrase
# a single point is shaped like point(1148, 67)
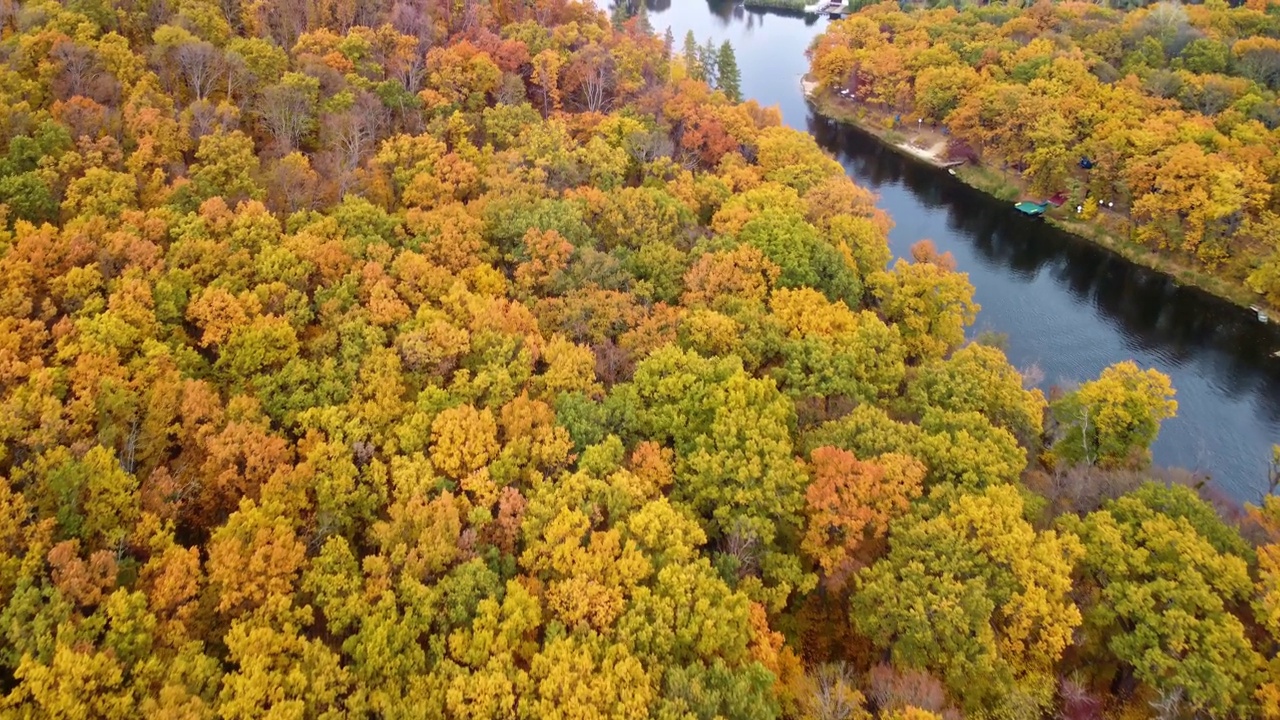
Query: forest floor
point(1105, 228)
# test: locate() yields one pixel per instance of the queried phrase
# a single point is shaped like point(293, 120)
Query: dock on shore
point(824, 6)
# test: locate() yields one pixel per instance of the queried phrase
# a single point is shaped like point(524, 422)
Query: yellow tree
point(589, 575)
point(254, 559)
point(930, 304)
point(1267, 602)
point(970, 591)
point(1112, 421)
point(279, 670)
point(463, 440)
point(586, 676)
point(546, 75)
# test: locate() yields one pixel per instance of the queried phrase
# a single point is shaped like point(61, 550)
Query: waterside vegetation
point(480, 360)
point(1164, 116)
point(1103, 227)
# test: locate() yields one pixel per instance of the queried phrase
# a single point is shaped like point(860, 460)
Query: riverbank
point(1107, 230)
point(794, 6)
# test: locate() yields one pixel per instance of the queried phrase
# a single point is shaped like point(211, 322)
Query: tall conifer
point(728, 78)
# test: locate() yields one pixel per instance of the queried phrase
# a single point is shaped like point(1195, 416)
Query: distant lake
point(1065, 305)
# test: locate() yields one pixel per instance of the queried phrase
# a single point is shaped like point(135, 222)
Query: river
point(1064, 305)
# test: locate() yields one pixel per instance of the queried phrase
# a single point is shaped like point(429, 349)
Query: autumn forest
point(467, 359)
point(1166, 113)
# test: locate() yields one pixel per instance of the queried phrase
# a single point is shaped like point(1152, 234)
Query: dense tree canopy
point(972, 593)
point(1167, 574)
point(482, 360)
point(1164, 116)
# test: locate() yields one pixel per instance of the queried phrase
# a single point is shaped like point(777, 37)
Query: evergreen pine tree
point(643, 23)
point(692, 60)
point(728, 78)
point(669, 41)
point(709, 60)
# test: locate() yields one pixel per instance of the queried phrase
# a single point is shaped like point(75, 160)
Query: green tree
point(709, 59)
point(692, 55)
point(831, 353)
point(729, 78)
point(979, 378)
point(966, 449)
point(1205, 56)
point(91, 498)
point(226, 166)
point(643, 24)
point(715, 690)
point(735, 465)
point(1162, 575)
point(788, 241)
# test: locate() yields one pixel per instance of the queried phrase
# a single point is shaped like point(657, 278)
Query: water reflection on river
point(1064, 305)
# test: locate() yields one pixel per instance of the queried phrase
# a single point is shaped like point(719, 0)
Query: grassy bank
point(788, 5)
point(1006, 185)
point(988, 180)
point(1184, 272)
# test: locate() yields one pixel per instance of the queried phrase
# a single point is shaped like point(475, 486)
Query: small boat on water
point(1262, 314)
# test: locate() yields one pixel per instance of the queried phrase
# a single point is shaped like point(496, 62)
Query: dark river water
point(1065, 305)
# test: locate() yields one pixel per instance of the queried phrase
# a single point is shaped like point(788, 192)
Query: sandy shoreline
point(933, 155)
